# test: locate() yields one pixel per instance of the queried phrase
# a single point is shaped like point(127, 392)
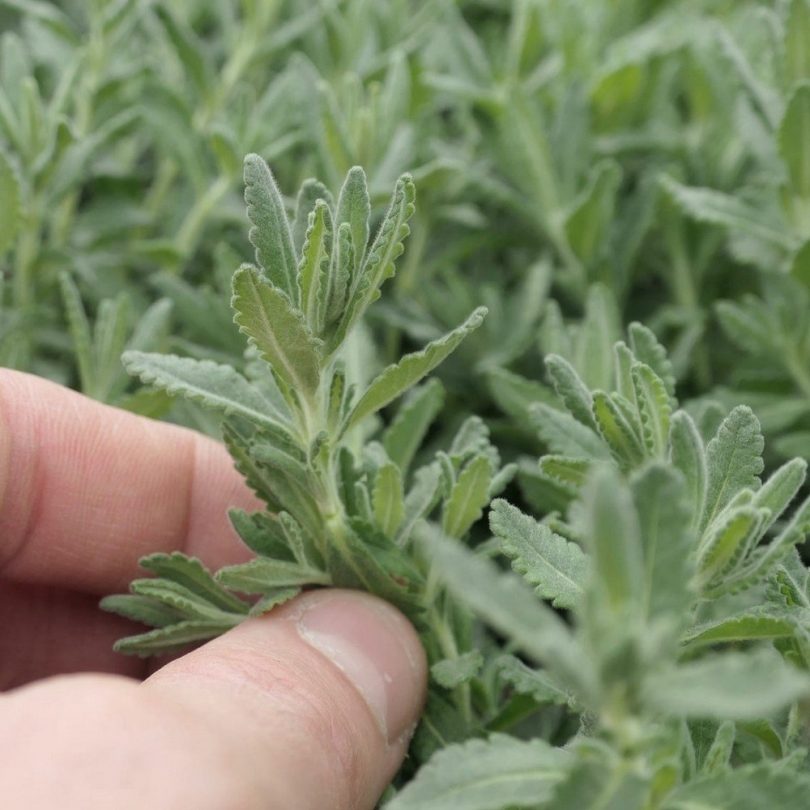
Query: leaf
point(190, 605)
point(556, 567)
point(593, 784)
point(10, 204)
point(311, 270)
point(733, 461)
point(271, 234)
point(421, 498)
point(383, 253)
point(189, 50)
point(266, 316)
point(213, 385)
point(452, 672)
point(688, 455)
point(264, 575)
point(193, 575)
point(663, 511)
point(80, 333)
point(609, 526)
point(565, 435)
point(536, 683)
point(504, 602)
point(398, 378)
point(310, 192)
point(387, 499)
point(752, 625)
point(570, 472)
point(571, 389)
point(780, 489)
point(717, 208)
point(468, 497)
point(169, 639)
point(616, 430)
point(797, 35)
point(653, 406)
point(587, 224)
point(485, 775)
point(407, 430)
point(750, 787)
point(734, 686)
point(719, 754)
point(354, 208)
point(141, 609)
point(728, 541)
point(647, 349)
point(793, 138)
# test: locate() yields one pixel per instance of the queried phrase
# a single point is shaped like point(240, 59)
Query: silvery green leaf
point(506, 603)
point(403, 436)
point(751, 625)
point(399, 377)
point(688, 455)
point(667, 542)
point(313, 267)
point(732, 685)
point(556, 567)
point(452, 672)
point(619, 433)
point(652, 401)
point(213, 385)
point(271, 234)
point(750, 787)
point(170, 639)
point(468, 497)
point(387, 499)
point(570, 389)
point(264, 575)
point(565, 435)
point(277, 329)
point(310, 192)
point(733, 461)
point(780, 489)
point(537, 683)
point(485, 775)
point(353, 207)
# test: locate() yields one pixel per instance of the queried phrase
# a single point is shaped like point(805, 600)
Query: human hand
point(309, 707)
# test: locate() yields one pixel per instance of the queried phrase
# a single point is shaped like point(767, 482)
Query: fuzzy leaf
point(794, 140)
point(468, 497)
point(753, 625)
point(264, 575)
point(485, 775)
point(169, 639)
point(387, 499)
point(556, 567)
point(616, 430)
point(565, 435)
point(653, 406)
point(780, 489)
point(311, 270)
point(536, 683)
point(277, 329)
point(404, 435)
point(193, 575)
point(452, 672)
point(354, 208)
point(271, 234)
point(215, 386)
point(398, 378)
point(689, 457)
point(733, 461)
point(571, 389)
point(737, 686)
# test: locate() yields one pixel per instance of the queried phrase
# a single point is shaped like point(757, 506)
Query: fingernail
point(376, 649)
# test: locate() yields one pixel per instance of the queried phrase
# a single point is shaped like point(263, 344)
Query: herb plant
point(583, 168)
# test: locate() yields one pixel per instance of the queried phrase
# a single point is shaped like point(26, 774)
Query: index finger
point(86, 489)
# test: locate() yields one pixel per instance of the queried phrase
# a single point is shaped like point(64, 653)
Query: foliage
point(624, 185)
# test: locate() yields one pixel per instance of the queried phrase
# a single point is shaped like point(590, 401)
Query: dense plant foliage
point(623, 186)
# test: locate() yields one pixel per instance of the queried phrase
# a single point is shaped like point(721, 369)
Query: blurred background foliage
point(579, 165)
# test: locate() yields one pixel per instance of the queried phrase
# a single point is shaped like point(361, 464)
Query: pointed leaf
point(278, 330)
point(398, 378)
point(556, 567)
point(468, 497)
point(215, 386)
point(270, 234)
point(485, 775)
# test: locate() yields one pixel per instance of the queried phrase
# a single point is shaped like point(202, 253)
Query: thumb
point(323, 695)
point(311, 706)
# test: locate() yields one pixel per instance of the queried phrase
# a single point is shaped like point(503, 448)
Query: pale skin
point(309, 707)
